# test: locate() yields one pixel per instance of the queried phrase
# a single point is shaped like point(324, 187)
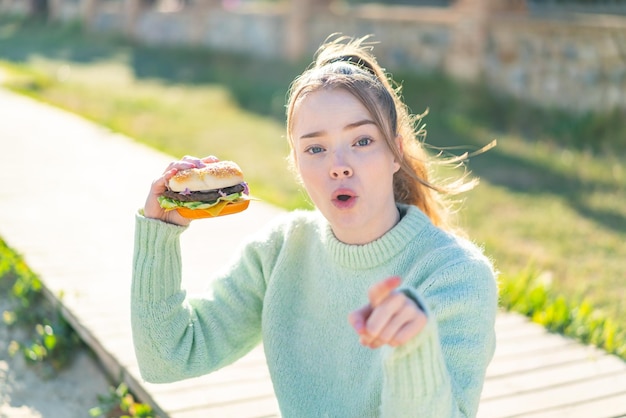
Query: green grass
point(552, 193)
point(47, 341)
point(532, 294)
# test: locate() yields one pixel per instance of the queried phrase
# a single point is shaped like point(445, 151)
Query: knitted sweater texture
point(292, 287)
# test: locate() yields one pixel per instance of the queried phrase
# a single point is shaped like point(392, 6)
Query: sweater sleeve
point(440, 373)
point(177, 337)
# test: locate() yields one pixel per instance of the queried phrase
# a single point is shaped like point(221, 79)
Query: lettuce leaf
point(171, 204)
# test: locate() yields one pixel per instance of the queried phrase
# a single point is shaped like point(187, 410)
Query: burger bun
point(213, 176)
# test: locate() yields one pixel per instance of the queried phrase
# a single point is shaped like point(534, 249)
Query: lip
point(339, 201)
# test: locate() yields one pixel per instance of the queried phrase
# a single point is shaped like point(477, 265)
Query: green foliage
point(120, 403)
point(477, 104)
point(49, 340)
point(28, 82)
point(531, 294)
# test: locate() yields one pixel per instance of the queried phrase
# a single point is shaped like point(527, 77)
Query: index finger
point(197, 162)
point(381, 290)
point(210, 159)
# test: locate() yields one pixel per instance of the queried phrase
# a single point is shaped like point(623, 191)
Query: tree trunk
point(39, 9)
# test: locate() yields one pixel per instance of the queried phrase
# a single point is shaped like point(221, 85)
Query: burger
point(216, 189)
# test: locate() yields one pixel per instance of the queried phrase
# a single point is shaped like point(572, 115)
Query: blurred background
point(547, 79)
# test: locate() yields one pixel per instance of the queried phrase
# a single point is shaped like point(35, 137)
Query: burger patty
point(207, 196)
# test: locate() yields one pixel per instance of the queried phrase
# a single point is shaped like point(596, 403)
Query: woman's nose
point(340, 170)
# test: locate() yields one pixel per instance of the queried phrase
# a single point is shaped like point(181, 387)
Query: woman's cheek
point(312, 178)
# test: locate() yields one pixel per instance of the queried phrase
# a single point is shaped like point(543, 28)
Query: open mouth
point(344, 198)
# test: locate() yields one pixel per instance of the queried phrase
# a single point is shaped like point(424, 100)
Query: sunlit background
point(547, 79)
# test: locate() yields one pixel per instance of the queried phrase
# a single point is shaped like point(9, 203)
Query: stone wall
point(575, 61)
point(13, 7)
point(579, 63)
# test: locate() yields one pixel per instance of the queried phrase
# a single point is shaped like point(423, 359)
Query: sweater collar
point(380, 251)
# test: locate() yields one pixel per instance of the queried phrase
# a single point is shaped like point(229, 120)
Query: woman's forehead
point(323, 107)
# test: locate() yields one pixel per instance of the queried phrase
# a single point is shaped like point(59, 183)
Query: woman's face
point(345, 164)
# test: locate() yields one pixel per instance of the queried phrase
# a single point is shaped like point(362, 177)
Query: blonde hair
point(349, 64)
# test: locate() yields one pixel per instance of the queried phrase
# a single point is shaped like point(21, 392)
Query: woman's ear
point(399, 152)
point(399, 144)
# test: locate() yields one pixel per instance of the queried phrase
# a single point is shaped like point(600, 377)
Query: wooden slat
point(550, 358)
point(608, 407)
point(253, 408)
point(203, 397)
point(518, 332)
point(530, 346)
point(539, 379)
point(506, 319)
point(553, 398)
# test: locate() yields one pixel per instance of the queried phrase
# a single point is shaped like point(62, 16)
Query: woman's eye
point(314, 150)
point(363, 142)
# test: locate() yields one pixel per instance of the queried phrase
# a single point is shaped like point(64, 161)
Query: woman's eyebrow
point(312, 135)
point(347, 127)
point(359, 123)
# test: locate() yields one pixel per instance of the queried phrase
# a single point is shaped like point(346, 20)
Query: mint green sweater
point(292, 287)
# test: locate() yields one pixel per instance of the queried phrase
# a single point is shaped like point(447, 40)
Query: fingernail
point(358, 326)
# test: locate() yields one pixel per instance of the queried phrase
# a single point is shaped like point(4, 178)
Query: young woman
point(369, 305)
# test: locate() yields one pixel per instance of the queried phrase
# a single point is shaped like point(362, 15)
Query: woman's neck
point(365, 235)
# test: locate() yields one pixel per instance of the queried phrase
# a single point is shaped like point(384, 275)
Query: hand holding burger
point(197, 188)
